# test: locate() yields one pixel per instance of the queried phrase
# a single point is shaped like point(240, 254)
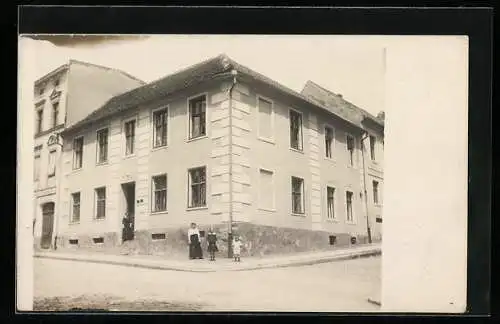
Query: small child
point(237, 249)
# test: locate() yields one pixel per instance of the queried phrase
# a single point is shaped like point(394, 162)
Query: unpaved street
point(330, 287)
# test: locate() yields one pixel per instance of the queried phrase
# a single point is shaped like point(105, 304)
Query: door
point(47, 225)
point(129, 211)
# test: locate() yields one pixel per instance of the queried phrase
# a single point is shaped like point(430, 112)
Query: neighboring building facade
point(62, 98)
point(210, 146)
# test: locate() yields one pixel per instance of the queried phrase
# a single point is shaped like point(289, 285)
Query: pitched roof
point(210, 69)
point(338, 105)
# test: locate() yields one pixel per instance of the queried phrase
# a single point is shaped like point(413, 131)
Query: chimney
point(381, 115)
point(340, 95)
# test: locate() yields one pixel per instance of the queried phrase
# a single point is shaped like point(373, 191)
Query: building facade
point(62, 99)
point(220, 145)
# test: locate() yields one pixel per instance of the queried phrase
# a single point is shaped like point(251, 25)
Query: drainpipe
point(368, 229)
point(230, 222)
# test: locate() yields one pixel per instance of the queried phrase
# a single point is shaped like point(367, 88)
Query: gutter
point(368, 229)
point(230, 222)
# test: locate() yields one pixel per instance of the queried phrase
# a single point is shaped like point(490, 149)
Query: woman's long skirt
point(195, 251)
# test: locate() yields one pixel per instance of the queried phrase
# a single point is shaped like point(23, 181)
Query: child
point(237, 248)
point(212, 243)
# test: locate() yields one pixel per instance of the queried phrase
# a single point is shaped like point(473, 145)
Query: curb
point(353, 255)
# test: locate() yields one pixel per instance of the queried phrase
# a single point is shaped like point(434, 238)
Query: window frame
point(98, 144)
point(335, 216)
point(372, 145)
point(55, 114)
point(351, 159)
point(155, 111)
point(376, 192)
point(153, 193)
point(37, 157)
point(301, 130)
point(39, 120)
point(271, 116)
point(302, 193)
point(352, 220)
point(125, 121)
point(190, 205)
point(97, 200)
point(259, 193)
point(332, 144)
point(52, 173)
point(72, 211)
point(81, 153)
point(189, 128)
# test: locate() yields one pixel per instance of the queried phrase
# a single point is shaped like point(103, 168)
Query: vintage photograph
point(207, 173)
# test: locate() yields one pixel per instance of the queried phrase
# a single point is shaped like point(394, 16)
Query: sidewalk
point(222, 264)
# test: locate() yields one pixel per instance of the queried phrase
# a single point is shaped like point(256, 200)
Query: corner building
point(215, 144)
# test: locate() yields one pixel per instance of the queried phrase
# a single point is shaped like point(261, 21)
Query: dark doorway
point(129, 211)
point(47, 225)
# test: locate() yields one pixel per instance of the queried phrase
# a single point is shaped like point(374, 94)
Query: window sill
point(194, 139)
point(99, 219)
point(330, 159)
point(74, 223)
point(351, 223)
point(333, 220)
point(102, 163)
point(129, 156)
point(298, 214)
point(267, 140)
point(76, 170)
point(296, 150)
point(273, 210)
point(155, 213)
point(158, 148)
point(196, 208)
point(378, 205)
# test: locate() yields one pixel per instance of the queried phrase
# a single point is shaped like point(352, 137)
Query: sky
point(349, 65)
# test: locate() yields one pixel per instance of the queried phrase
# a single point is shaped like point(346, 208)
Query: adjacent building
point(61, 98)
point(221, 145)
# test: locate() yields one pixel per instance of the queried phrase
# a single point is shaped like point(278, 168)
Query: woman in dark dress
point(195, 251)
point(212, 243)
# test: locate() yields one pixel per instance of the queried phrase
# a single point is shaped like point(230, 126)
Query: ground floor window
point(197, 183)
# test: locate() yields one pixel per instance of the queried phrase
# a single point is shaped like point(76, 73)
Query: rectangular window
point(372, 147)
point(55, 114)
point(350, 149)
point(52, 164)
point(375, 192)
point(197, 117)
point(77, 153)
point(159, 193)
point(197, 187)
point(102, 146)
point(36, 166)
point(330, 202)
point(297, 195)
point(129, 137)
point(100, 196)
point(266, 189)
point(265, 118)
point(296, 130)
point(41, 90)
point(160, 128)
point(348, 197)
point(75, 207)
point(328, 142)
point(39, 120)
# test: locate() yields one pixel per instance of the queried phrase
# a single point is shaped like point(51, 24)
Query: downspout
point(230, 222)
point(368, 229)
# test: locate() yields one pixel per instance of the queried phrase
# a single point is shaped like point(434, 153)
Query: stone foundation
point(258, 240)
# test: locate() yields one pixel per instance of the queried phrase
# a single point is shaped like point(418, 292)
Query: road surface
point(328, 287)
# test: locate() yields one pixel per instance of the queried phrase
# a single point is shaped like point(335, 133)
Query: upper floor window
point(129, 137)
point(350, 149)
point(297, 195)
point(55, 114)
point(197, 187)
point(265, 118)
point(160, 124)
point(328, 142)
point(39, 120)
point(197, 117)
point(373, 140)
point(102, 145)
point(375, 192)
point(296, 130)
point(36, 167)
point(77, 153)
point(52, 163)
point(159, 193)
